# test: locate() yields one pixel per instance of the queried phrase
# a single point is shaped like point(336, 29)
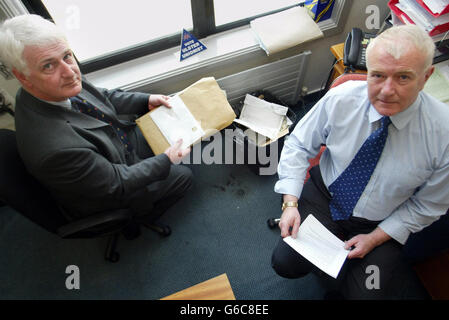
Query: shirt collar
point(400, 119)
point(66, 103)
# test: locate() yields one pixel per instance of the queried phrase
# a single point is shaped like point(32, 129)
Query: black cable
point(4, 107)
point(328, 77)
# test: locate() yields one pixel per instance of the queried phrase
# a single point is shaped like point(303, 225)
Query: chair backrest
point(21, 191)
point(348, 76)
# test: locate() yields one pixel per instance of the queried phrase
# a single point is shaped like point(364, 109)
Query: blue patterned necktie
point(348, 187)
point(85, 107)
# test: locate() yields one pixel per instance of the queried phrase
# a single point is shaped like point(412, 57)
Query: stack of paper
point(420, 16)
point(267, 121)
point(436, 6)
point(285, 29)
point(439, 82)
point(318, 245)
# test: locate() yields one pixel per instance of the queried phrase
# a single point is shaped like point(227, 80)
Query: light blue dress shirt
point(409, 188)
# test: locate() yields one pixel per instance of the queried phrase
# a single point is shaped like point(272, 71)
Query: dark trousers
point(151, 202)
point(382, 274)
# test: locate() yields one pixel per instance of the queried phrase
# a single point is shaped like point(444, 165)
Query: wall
point(322, 59)
point(9, 88)
point(316, 72)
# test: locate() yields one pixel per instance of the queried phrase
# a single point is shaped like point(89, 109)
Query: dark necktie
point(87, 108)
point(348, 187)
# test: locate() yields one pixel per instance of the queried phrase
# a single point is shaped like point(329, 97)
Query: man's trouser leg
point(356, 280)
point(151, 202)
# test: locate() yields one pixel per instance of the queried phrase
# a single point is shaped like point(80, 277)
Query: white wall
point(316, 74)
point(9, 88)
point(318, 68)
point(322, 59)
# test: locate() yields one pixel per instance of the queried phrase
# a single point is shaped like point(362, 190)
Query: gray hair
point(22, 31)
point(397, 41)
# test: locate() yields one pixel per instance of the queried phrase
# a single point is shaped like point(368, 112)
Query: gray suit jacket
point(80, 159)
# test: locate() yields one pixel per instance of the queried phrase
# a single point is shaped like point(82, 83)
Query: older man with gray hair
point(384, 173)
point(79, 141)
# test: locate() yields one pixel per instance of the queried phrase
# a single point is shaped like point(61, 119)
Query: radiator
point(283, 78)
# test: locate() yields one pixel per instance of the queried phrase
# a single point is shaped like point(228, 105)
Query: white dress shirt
point(409, 188)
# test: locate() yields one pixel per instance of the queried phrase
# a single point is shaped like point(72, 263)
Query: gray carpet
point(219, 227)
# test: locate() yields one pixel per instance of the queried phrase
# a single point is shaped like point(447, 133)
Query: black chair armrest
point(99, 224)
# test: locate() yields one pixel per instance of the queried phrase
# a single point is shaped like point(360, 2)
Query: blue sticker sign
point(190, 45)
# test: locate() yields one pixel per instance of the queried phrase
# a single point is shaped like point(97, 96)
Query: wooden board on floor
point(217, 288)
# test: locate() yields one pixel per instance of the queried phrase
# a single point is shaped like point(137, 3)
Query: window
point(96, 28)
point(226, 12)
point(103, 33)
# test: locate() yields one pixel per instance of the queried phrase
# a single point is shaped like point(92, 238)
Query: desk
point(339, 68)
point(217, 288)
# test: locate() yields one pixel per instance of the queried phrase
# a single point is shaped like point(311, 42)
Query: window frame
point(203, 25)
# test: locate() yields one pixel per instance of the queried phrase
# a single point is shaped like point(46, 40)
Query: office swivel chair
point(22, 192)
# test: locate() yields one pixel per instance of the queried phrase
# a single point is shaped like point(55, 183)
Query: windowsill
point(222, 47)
point(166, 63)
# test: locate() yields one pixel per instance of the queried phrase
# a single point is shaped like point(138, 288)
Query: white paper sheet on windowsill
point(177, 122)
point(318, 245)
point(285, 29)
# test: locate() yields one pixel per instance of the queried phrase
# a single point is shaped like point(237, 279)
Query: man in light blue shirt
point(409, 188)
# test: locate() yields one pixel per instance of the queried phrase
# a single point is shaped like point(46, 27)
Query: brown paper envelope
point(208, 105)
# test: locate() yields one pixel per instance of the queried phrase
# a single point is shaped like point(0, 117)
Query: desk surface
point(339, 68)
point(217, 288)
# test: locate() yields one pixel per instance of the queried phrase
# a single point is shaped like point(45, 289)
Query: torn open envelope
point(177, 122)
point(204, 101)
point(264, 118)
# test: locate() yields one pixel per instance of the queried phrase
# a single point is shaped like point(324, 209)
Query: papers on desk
point(318, 245)
point(177, 122)
point(438, 83)
point(436, 6)
point(263, 118)
point(420, 16)
point(286, 29)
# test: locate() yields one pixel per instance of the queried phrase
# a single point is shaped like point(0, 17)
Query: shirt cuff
point(394, 227)
point(289, 186)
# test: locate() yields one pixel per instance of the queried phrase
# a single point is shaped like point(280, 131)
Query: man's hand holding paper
point(204, 111)
point(156, 100)
point(318, 245)
point(175, 153)
point(177, 123)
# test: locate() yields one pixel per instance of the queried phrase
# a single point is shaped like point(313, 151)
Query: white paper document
point(318, 245)
point(436, 6)
point(261, 116)
point(421, 16)
point(177, 122)
point(438, 82)
point(285, 29)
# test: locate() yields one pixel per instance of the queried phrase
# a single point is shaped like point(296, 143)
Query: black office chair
point(22, 192)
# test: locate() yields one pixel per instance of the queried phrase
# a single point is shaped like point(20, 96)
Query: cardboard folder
point(208, 105)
